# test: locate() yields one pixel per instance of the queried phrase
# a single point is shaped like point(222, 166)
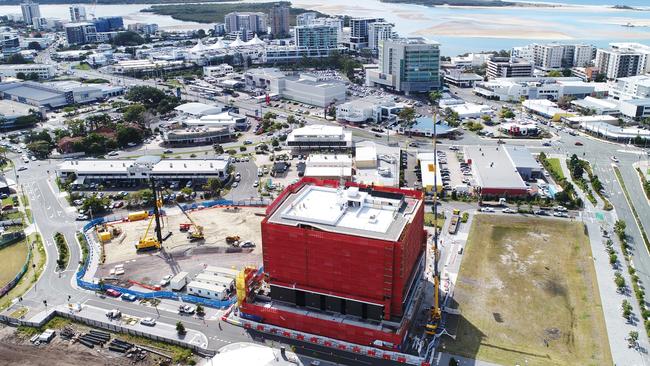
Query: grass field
point(554, 165)
point(12, 258)
point(528, 295)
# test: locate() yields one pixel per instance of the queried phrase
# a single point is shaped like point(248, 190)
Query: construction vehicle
point(454, 223)
point(147, 241)
point(197, 232)
point(436, 313)
point(500, 203)
point(233, 240)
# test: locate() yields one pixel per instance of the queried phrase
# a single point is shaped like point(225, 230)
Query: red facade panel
point(332, 329)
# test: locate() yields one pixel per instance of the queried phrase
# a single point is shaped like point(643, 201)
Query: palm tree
point(407, 118)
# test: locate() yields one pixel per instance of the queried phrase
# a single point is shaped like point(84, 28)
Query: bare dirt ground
point(217, 224)
point(192, 257)
point(15, 349)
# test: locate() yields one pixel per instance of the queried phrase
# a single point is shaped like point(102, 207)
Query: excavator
point(436, 313)
point(197, 230)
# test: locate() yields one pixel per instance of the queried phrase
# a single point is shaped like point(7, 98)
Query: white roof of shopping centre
point(198, 109)
point(162, 166)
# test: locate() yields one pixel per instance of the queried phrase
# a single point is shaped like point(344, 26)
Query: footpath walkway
point(618, 328)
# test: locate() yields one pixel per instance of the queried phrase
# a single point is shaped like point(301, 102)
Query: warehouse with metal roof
point(495, 172)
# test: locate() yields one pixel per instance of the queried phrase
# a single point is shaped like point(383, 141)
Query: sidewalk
point(618, 328)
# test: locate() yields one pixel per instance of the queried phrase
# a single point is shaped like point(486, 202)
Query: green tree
point(292, 120)
point(77, 127)
point(127, 39)
point(565, 101)
point(99, 120)
point(407, 118)
point(95, 204)
point(16, 58)
point(134, 113)
point(128, 134)
point(148, 96)
point(213, 185)
point(218, 149)
point(275, 143)
point(434, 97)
point(507, 113)
point(200, 311)
point(41, 149)
point(21, 75)
point(555, 73)
point(566, 72)
point(180, 328)
point(600, 78)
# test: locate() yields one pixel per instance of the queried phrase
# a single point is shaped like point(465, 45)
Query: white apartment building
point(555, 56)
point(471, 60)
point(623, 60)
point(379, 32)
point(42, 70)
point(77, 13)
point(316, 137)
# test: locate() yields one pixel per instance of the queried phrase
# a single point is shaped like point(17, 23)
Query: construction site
point(224, 236)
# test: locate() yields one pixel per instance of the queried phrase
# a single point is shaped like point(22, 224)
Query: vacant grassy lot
point(12, 258)
point(556, 168)
point(528, 294)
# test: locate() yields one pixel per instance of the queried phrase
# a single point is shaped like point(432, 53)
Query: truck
point(455, 222)
point(138, 215)
point(500, 203)
point(179, 281)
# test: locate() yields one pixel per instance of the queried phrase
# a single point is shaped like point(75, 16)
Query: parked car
point(165, 280)
point(614, 159)
point(486, 209)
point(578, 143)
point(113, 293)
point(148, 321)
point(113, 314)
point(129, 297)
point(186, 309)
point(248, 244)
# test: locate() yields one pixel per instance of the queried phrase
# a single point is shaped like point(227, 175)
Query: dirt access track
point(217, 222)
point(27, 355)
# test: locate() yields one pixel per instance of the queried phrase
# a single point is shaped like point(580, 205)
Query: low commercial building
point(218, 70)
point(44, 71)
point(462, 79)
point(369, 109)
point(431, 177)
point(616, 133)
point(494, 172)
point(197, 135)
point(195, 109)
point(376, 164)
point(508, 67)
point(319, 137)
point(134, 66)
point(11, 110)
point(633, 87)
point(424, 127)
point(513, 89)
point(471, 110)
point(304, 87)
point(578, 121)
point(329, 166)
point(597, 106)
point(527, 166)
point(543, 107)
point(141, 169)
point(57, 94)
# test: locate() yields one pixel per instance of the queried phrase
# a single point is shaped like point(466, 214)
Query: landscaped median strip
point(619, 177)
point(64, 254)
point(619, 228)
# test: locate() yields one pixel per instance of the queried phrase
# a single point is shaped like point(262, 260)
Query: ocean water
point(458, 29)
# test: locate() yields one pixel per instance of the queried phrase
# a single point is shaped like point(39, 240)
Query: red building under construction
point(343, 262)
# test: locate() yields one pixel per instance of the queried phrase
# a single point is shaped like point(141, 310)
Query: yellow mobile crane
point(197, 232)
point(436, 313)
point(147, 241)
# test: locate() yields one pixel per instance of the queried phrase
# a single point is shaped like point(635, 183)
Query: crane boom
point(197, 234)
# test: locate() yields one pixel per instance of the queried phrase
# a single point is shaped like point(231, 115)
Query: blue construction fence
point(154, 294)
